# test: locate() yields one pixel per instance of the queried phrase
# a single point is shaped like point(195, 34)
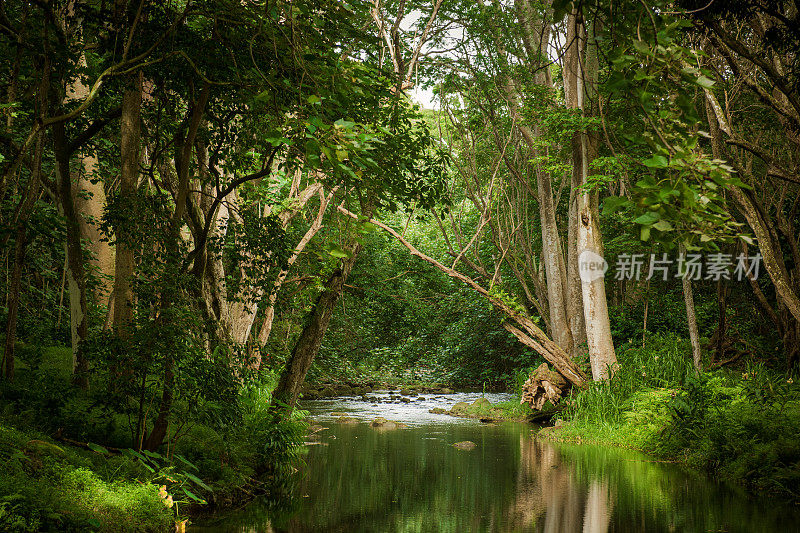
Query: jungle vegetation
point(206, 205)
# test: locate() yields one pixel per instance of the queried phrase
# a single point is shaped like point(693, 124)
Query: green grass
point(645, 415)
point(47, 486)
point(54, 359)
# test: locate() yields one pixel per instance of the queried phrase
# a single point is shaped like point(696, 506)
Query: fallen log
point(541, 386)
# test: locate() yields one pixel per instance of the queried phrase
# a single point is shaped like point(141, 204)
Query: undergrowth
point(739, 425)
point(49, 485)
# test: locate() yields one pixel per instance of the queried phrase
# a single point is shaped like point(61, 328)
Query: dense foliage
point(205, 204)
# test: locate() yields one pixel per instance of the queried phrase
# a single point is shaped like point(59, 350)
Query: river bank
point(739, 428)
point(728, 424)
point(51, 486)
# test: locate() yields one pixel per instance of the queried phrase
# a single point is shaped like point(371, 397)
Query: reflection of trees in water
point(394, 480)
point(646, 495)
point(549, 495)
point(414, 480)
point(597, 516)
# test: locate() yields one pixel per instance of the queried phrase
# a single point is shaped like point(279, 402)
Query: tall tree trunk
point(575, 311)
point(582, 66)
point(130, 134)
point(90, 201)
point(13, 302)
point(722, 320)
point(691, 317)
point(536, 34)
point(602, 357)
point(183, 155)
point(574, 290)
point(25, 210)
point(554, 266)
point(161, 424)
point(577, 321)
point(76, 269)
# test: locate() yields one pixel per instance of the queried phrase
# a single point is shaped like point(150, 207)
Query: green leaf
point(186, 462)
point(198, 481)
point(657, 161)
point(663, 225)
point(641, 46)
point(705, 82)
point(342, 123)
point(192, 495)
point(339, 253)
point(690, 71)
point(645, 233)
point(135, 454)
point(96, 448)
point(647, 219)
point(612, 204)
point(313, 99)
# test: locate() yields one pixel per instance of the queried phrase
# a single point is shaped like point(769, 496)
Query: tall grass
point(663, 362)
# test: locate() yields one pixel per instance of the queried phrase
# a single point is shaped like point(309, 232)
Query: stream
point(362, 479)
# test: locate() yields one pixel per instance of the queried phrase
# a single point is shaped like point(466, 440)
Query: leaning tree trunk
point(269, 310)
point(526, 331)
point(307, 346)
point(756, 218)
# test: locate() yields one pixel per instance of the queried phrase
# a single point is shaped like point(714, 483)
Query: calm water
point(360, 479)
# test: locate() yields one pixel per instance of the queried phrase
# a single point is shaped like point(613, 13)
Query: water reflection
point(413, 479)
